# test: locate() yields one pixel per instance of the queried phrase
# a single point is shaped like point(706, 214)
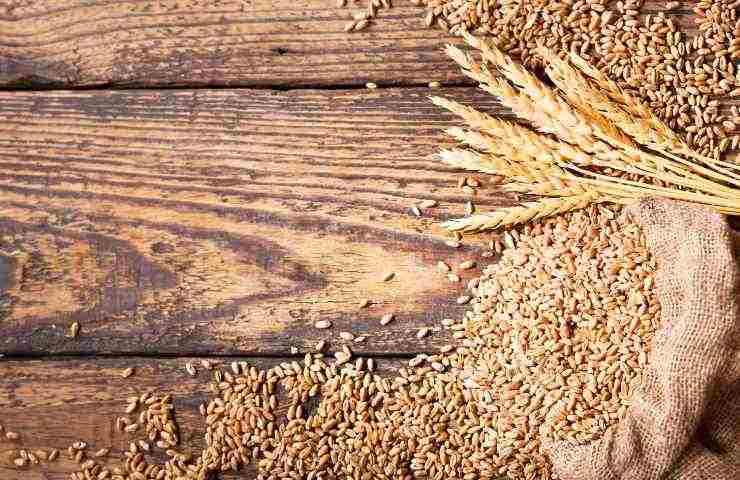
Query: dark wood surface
point(266, 43)
point(218, 221)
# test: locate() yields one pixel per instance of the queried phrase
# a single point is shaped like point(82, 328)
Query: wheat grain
point(74, 330)
point(322, 324)
point(466, 265)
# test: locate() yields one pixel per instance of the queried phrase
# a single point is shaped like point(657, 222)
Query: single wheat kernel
point(361, 25)
point(386, 319)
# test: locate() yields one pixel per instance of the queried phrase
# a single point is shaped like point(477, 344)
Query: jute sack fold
point(684, 423)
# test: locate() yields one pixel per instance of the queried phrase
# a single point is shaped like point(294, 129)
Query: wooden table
point(207, 179)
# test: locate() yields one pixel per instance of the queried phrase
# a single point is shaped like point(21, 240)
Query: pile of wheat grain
point(553, 347)
point(681, 68)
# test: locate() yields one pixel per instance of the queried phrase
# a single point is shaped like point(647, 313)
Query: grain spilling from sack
point(553, 346)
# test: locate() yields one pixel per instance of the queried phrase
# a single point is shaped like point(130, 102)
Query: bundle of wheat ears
point(593, 143)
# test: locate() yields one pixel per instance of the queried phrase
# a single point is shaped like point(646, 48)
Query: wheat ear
point(542, 149)
point(583, 94)
point(638, 109)
point(527, 211)
point(543, 97)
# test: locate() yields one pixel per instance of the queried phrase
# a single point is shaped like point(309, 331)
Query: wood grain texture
point(225, 221)
point(226, 42)
point(56, 402)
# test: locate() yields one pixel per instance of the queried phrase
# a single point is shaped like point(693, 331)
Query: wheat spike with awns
point(591, 142)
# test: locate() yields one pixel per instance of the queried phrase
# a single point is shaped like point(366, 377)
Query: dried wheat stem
point(641, 190)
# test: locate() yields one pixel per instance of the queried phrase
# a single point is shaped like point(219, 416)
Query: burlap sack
point(685, 422)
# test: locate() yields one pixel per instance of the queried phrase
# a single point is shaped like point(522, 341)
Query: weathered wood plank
point(225, 221)
point(230, 42)
point(54, 403)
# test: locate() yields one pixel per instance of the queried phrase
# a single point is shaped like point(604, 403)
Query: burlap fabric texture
point(685, 421)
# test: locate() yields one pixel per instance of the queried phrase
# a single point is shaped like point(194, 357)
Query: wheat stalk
point(590, 130)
